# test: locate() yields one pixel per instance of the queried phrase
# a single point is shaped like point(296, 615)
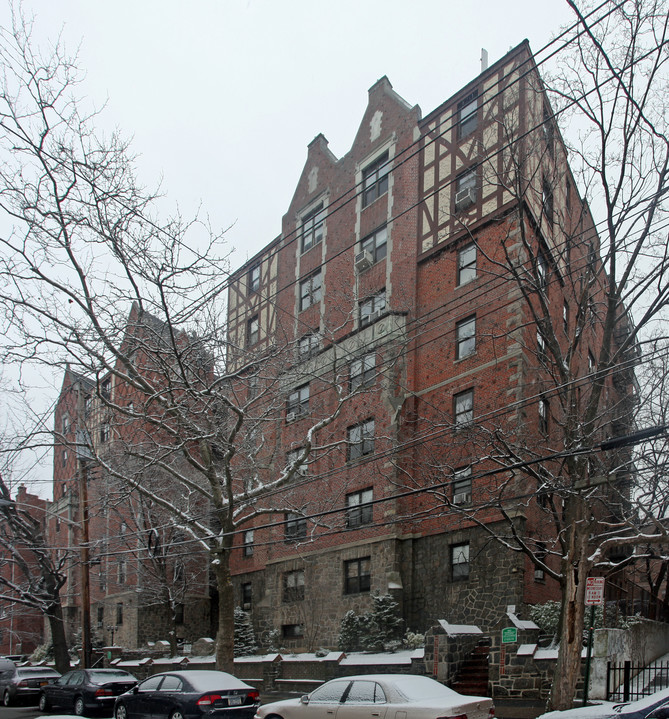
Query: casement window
point(463, 408)
point(357, 575)
point(542, 270)
point(465, 337)
point(105, 388)
point(460, 561)
point(312, 228)
point(544, 409)
point(376, 244)
point(462, 486)
point(468, 114)
point(375, 179)
point(295, 527)
point(310, 290)
point(466, 264)
point(292, 631)
point(298, 403)
point(293, 586)
point(361, 439)
point(64, 457)
point(66, 424)
point(121, 571)
point(308, 346)
point(119, 614)
point(565, 317)
point(466, 185)
point(363, 371)
point(547, 200)
point(246, 595)
point(292, 457)
point(372, 307)
point(359, 511)
point(247, 543)
point(549, 131)
point(252, 331)
point(105, 433)
point(541, 346)
point(254, 279)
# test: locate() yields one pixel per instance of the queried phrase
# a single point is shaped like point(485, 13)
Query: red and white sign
point(594, 590)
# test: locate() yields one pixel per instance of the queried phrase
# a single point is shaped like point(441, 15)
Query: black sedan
point(86, 690)
point(23, 684)
point(189, 695)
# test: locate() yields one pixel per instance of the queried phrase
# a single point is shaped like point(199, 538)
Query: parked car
point(23, 684)
point(189, 695)
point(639, 709)
point(374, 695)
point(86, 690)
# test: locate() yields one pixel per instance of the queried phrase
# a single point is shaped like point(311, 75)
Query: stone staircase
point(472, 679)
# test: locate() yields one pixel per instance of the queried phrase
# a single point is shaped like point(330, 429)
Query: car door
point(324, 702)
point(365, 699)
point(57, 692)
point(169, 697)
point(73, 688)
point(140, 703)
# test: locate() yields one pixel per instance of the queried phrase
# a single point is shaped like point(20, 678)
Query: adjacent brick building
point(400, 282)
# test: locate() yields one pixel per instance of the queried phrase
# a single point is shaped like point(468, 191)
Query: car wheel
point(6, 699)
point(43, 703)
point(121, 712)
point(79, 707)
point(176, 714)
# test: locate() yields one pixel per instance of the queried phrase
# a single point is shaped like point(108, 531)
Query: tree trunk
point(225, 636)
point(57, 627)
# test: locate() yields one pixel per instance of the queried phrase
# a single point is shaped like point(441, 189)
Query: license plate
point(234, 701)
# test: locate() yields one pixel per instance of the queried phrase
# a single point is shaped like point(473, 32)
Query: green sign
point(509, 635)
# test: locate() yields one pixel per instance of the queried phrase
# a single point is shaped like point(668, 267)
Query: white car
point(381, 696)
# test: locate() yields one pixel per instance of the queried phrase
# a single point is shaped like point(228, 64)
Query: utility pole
point(83, 455)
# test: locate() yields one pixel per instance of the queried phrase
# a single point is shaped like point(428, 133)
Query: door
point(365, 699)
point(325, 701)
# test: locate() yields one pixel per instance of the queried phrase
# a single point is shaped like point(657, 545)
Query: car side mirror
point(304, 699)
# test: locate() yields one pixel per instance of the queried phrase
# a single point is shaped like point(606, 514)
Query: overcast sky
point(223, 97)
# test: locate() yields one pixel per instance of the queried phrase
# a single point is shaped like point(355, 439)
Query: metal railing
point(628, 682)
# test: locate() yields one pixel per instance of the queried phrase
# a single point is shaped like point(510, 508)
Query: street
point(27, 712)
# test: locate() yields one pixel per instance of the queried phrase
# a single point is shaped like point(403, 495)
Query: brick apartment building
point(400, 279)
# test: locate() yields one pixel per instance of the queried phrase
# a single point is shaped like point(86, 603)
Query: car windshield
point(417, 688)
point(108, 676)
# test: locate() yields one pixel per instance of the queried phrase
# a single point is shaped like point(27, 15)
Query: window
point(549, 131)
point(541, 552)
point(247, 543)
point(64, 457)
point(119, 614)
point(293, 586)
point(592, 365)
point(460, 561)
point(292, 457)
point(465, 337)
point(463, 408)
point(543, 415)
point(542, 270)
point(88, 404)
point(565, 316)
point(466, 264)
point(330, 693)
point(541, 346)
point(296, 527)
point(372, 307)
point(547, 200)
point(365, 692)
point(104, 433)
point(375, 179)
point(312, 228)
point(308, 346)
point(66, 424)
point(298, 403)
point(376, 244)
point(254, 279)
point(465, 189)
point(101, 617)
point(363, 371)
point(462, 486)
point(357, 575)
point(468, 114)
point(121, 571)
point(361, 439)
point(310, 291)
point(292, 631)
point(105, 388)
point(247, 595)
point(358, 508)
point(178, 616)
point(252, 331)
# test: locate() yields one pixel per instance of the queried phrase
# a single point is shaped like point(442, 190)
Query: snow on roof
point(521, 623)
point(258, 658)
point(546, 654)
point(452, 629)
point(311, 657)
point(526, 650)
point(384, 659)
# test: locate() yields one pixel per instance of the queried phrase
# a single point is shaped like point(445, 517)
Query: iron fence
point(627, 682)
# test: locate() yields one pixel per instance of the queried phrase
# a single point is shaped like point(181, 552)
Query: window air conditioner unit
point(363, 260)
point(291, 416)
point(462, 498)
point(465, 198)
